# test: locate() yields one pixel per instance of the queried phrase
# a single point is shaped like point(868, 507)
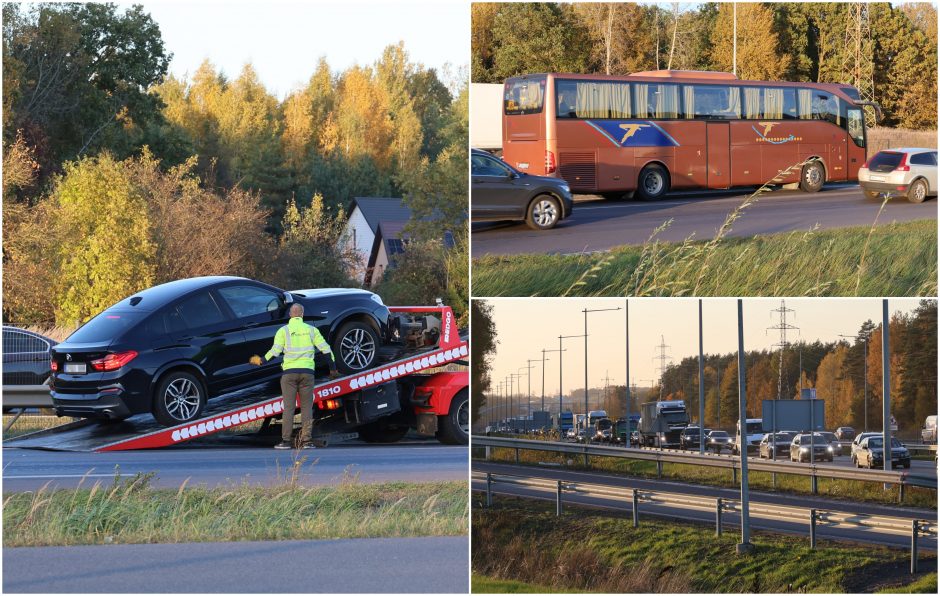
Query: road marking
point(5, 477)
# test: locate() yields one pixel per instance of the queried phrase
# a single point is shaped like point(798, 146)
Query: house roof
point(381, 210)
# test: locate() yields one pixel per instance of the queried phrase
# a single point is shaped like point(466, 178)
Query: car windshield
point(784, 437)
point(109, 325)
point(718, 434)
point(817, 440)
point(878, 442)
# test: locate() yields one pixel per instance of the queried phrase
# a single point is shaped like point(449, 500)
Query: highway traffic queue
point(666, 425)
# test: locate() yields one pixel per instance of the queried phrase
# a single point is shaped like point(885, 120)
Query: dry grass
point(130, 511)
point(880, 138)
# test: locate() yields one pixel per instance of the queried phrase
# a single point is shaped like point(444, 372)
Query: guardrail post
point(813, 482)
point(900, 492)
point(487, 453)
point(659, 468)
point(914, 530)
point(489, 489)
point(558, 500)
point(636, 511)
point(517, 455)
point(812, 529)
point(718, 517)
point(734, 475)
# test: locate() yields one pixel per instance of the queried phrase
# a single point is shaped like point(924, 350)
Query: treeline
point(835, 369)
point(792, 41)
point(117, 176)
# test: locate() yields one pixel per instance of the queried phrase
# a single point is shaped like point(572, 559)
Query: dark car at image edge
point(170, 348)
point(499, 192)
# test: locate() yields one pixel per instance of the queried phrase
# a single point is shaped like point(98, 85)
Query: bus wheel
point(813, 177)
point(653, 183)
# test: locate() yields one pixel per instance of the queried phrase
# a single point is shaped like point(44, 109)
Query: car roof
point(908, 150)
point(161, 295)
point(28, 332)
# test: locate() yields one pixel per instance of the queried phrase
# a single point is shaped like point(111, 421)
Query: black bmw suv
point(168, 349)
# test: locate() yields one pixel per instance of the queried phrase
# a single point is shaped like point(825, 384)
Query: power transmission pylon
point(858, 64)
point(663, 359)
point(783, 327)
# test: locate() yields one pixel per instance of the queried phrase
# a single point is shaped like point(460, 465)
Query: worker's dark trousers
point(292, 385)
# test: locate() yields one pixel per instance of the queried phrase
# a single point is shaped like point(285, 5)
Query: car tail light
point(549, 162)
point(54, 366)
point(113, 361)
point(903, 167)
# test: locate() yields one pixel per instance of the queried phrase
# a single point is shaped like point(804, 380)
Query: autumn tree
point(758, 52)
point(483, 342)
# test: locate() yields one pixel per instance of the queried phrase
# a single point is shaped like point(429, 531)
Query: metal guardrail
point(786, 513)
point(26, 396)
point(813, 471)
point(21, 397)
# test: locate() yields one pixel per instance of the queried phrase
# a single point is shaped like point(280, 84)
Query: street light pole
point(561, 391)
point(864, 338)
point(885, 387)
point(701, 384)
point(626, 319)
point(586, 407)
point(745, 545)
point(544, 360)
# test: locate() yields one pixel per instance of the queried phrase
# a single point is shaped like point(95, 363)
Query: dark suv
point(500, 192)
point(168, 349)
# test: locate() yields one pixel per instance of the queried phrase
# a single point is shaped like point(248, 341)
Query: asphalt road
point(425, 461)
point(597, 224)
point(731, 519)
point(373, 565)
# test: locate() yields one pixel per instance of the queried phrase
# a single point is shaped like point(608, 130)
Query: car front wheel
point(543, 213)
point(180, 398)
point(355, 347)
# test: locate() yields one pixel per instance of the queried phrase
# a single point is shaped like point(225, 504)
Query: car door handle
point(250, 325)
point(183, 338)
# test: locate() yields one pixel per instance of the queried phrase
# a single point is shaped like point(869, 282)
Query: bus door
point(837, 157)
point(718, 140)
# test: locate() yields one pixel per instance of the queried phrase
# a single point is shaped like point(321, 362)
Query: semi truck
point(564, 423)
point(662, 422)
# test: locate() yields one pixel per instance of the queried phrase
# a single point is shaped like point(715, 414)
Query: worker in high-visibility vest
point(299, 343)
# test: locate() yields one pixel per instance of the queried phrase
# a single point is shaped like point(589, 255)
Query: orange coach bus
point(652, 131)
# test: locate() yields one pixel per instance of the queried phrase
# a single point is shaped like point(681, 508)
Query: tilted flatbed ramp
point(238, 408)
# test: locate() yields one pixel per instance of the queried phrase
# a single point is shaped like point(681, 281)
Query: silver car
point(910, 172)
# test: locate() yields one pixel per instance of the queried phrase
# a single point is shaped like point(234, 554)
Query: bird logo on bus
point(764, 136)
point(631, 129)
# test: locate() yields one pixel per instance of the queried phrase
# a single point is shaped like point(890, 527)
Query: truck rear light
point(54, 366)
point(549, 162)
point(113, 361)
point(903, 167)
point(330, 404)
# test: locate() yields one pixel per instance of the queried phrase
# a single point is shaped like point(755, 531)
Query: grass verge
point(853, 490)
point(130, 511)
point(814, 263)
point(481, 584)
point(585, 550)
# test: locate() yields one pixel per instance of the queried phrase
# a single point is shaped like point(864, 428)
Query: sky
point(527, 326)
point(284, 39)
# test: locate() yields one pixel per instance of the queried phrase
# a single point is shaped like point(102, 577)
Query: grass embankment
point(853, 490)
point(28, 423)
point(890, 260)
point(880, 138)
point(130, 511)
point(586, 550)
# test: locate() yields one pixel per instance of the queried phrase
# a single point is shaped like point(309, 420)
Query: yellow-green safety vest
point(298, 342)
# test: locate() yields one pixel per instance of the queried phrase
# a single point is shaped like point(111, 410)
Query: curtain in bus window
point(773, 104)
point(620, 100)
point(590, 103)
point(642, 100)
point(734, 103)
point(688, 92)
point(752, 103)
point(805, 97)
point(789, 103)
point(667, 101)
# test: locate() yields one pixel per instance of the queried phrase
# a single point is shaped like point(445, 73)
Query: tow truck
point(379, 405)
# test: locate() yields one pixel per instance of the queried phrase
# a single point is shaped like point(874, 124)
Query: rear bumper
point(886, 187)
point(95, 405)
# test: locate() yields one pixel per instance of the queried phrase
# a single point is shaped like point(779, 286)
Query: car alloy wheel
point(545, 213)
point(182, 399)
point(918, 192)
point(357, 349)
